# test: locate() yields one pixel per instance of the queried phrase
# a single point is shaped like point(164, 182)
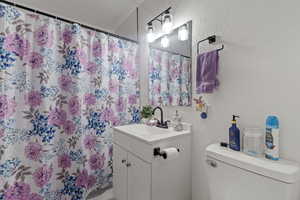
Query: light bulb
point(167, 24)
point(165, 42)
point(150, 34)
point(183, 33)
point(150, 37)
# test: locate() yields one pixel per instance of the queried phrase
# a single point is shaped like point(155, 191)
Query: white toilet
point(236, 176)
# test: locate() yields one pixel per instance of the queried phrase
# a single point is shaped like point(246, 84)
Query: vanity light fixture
point(183, 33)
point(150, 34)
point(165, 42)
point(167, 23)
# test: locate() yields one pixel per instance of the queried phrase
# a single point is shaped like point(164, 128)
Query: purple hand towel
point(207, 71)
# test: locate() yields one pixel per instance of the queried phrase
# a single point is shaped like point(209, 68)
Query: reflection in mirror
point(170, 66)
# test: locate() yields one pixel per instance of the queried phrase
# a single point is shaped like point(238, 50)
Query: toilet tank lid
point(282, 170)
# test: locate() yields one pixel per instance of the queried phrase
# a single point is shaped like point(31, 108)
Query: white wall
point(102, 14)
point(129, 27)
point(259, 69)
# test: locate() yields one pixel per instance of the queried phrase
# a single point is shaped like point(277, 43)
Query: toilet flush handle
point(128, 164)
point(212, 163)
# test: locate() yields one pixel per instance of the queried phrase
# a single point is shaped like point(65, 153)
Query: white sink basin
point(152, 134)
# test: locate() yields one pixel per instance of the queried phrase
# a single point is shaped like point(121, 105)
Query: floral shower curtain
point(169, 79)
point(62, 88)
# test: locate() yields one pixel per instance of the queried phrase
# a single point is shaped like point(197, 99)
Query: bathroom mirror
point(170, 63)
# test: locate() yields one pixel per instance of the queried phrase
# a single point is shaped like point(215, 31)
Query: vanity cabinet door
point(120, 173)
point(139, 179)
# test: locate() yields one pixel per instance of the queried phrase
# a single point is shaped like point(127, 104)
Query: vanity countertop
point(152, 134)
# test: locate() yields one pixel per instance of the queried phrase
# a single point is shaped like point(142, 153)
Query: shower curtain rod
point(66, 20)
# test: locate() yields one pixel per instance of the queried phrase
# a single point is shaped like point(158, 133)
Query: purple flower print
point(67, 36)
point(96, 161)
point(42, 176)
point(7, 106)
point(85, 180)
point(35, 196)
point(90, 142)
point(33, 151)
point(17, 191)
point(64, 161)
point(157, 88)
point(132, 99)
point(43, 36)
point(35, 60)
point(74, 105)
point(113, 85)
point(128, 64)
point(97, 49)
point(129, 67)
point(120, 105)
point(69, 127)
point(57, 117)
point(91, 181)
point(175, 73)
point(15, 43)
point(89, 99)
point(82, 179)
point(115, 121)
point(107, 114)
point(91, 68)
point(33, 99)
point(113, 46)
point(65, 82)
point(82, 57)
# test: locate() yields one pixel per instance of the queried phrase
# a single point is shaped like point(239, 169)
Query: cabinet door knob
point(128, 165)
point(212, 163)
point(123, 161)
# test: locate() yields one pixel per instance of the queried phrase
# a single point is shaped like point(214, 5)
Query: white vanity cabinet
point(132, 176)
point(139, 175)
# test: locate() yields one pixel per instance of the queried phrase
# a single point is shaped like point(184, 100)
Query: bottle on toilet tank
point(272, 138)
point(234, 135)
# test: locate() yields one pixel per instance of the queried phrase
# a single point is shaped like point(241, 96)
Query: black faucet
point(161, 123)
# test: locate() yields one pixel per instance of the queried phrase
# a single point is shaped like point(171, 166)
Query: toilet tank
point(236, 176)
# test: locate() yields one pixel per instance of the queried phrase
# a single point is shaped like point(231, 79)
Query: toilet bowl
point(236, 176)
